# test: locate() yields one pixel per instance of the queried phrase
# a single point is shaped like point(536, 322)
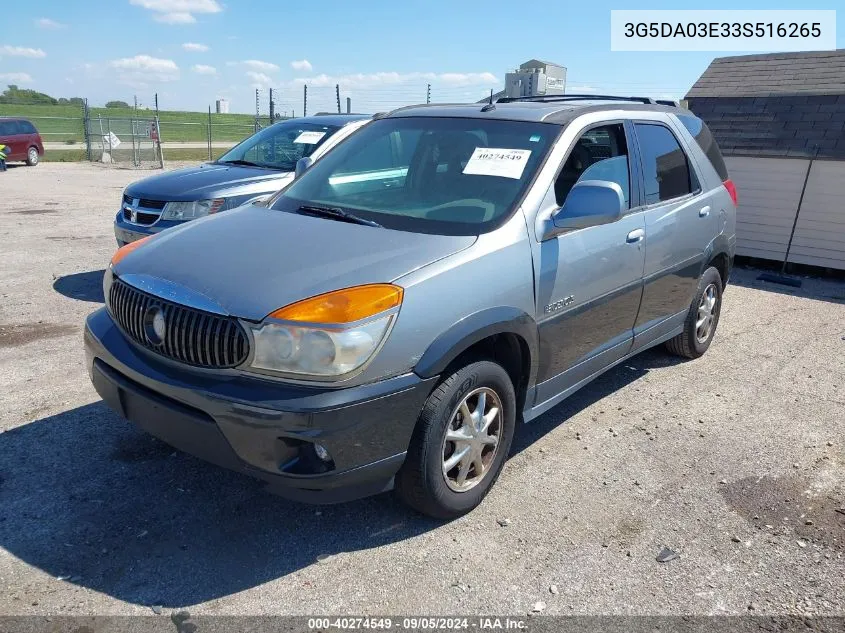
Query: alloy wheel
point(706, 313)
point(472, 439)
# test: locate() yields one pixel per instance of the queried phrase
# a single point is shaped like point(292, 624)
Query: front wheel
point(460, 443)
point(702, 318)
point(32, 157)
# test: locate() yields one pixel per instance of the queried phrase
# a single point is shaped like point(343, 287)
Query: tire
point(32, 156)
point(694, 341)
point(421, 482)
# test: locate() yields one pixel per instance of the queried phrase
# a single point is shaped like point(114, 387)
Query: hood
point(253, 260)
point(204, 181)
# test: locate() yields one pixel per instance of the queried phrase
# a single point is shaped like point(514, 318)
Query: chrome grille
point(192, 336)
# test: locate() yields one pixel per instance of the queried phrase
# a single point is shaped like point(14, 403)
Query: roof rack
point(574, 97)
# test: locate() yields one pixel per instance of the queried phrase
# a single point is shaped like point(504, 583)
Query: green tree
point(117, 104)
point(13, 94)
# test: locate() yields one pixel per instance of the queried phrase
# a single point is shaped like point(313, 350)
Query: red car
point(23, 141)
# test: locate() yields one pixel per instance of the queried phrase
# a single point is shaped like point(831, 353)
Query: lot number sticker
point(495, 161)
point(309, 138)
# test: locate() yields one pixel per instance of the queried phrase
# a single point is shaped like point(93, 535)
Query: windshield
point(430, 175)
point(280, 146)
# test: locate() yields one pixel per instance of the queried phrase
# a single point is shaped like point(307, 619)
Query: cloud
point(372, 80)
point(264, 67)
point(302, 65)
point(174, 18)
point(22, 51)
point(259, 80)
point(466, 79)
point(47, 23)
point(194, 47)
point(202, 69)
point(16, 78)
point(178, 11)
point(142, 69)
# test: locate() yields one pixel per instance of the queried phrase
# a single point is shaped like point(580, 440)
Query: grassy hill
point(63, 123)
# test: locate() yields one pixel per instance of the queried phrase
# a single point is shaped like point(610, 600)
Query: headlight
point(191, 210)
point(329, 335)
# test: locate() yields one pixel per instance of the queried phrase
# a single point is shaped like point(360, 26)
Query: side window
point(706, 142)
point(7, 128)
point(600, 154)
point(376, 156)
point(666, 171)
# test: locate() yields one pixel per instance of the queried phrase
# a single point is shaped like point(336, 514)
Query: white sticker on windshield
point(495, 161)
point(309, 138)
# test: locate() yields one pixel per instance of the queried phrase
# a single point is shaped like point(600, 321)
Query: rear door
point(10, 138)
point(589, 280)
point(680, 222)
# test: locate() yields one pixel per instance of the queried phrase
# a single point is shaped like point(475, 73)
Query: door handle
point(704, 212)
point(635, 236)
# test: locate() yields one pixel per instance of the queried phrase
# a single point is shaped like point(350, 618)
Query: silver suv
point(446, 272)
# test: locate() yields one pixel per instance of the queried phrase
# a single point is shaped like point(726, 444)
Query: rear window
point(25, 127)
point(704, 137)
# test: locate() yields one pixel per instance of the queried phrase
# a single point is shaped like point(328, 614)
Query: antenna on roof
point(490, 106)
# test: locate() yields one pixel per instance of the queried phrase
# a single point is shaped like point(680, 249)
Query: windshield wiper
point(248, 163)
point(335, 213)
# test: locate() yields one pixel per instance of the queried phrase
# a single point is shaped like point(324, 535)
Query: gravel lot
point(735, 461)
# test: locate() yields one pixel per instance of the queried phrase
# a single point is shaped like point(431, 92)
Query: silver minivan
point(443, 274)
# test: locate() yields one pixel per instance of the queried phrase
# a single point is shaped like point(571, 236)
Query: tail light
point(729, 185)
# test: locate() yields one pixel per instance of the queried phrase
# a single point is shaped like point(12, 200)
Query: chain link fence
point(146, 139)
point(125, 142)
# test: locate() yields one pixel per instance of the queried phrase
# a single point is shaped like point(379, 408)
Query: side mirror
point(302, 165)
point(590, 203)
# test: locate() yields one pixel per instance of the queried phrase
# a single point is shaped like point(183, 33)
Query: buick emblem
point(155, 327)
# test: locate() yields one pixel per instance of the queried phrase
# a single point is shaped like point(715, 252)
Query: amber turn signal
point(123, 251)
point(343, 306)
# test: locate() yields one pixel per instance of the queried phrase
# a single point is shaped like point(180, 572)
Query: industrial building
point(533, 78)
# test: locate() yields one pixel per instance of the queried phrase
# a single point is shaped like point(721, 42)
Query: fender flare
point(477, 327)
point(719, 246)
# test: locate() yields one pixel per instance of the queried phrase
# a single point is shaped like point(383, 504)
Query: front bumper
point(126, 232)
point(261, 427)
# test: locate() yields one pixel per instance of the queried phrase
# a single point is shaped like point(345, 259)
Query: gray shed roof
point(814, 72)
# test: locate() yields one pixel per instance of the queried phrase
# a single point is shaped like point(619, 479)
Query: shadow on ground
point(820, 288)
point(87, 497)
point(82, 286)
point(620, 376)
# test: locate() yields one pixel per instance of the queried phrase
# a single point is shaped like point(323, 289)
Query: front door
point(589, 280)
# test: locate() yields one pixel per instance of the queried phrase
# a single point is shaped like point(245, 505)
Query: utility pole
point(209, 132)
point(337, 94)
point(272, 108)
point(304, 99)
point(428, 94)
point(156, 100)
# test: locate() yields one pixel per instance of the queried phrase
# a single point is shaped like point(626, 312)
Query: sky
point(382, 54)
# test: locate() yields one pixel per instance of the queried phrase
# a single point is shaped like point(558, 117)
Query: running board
point(534, 412)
